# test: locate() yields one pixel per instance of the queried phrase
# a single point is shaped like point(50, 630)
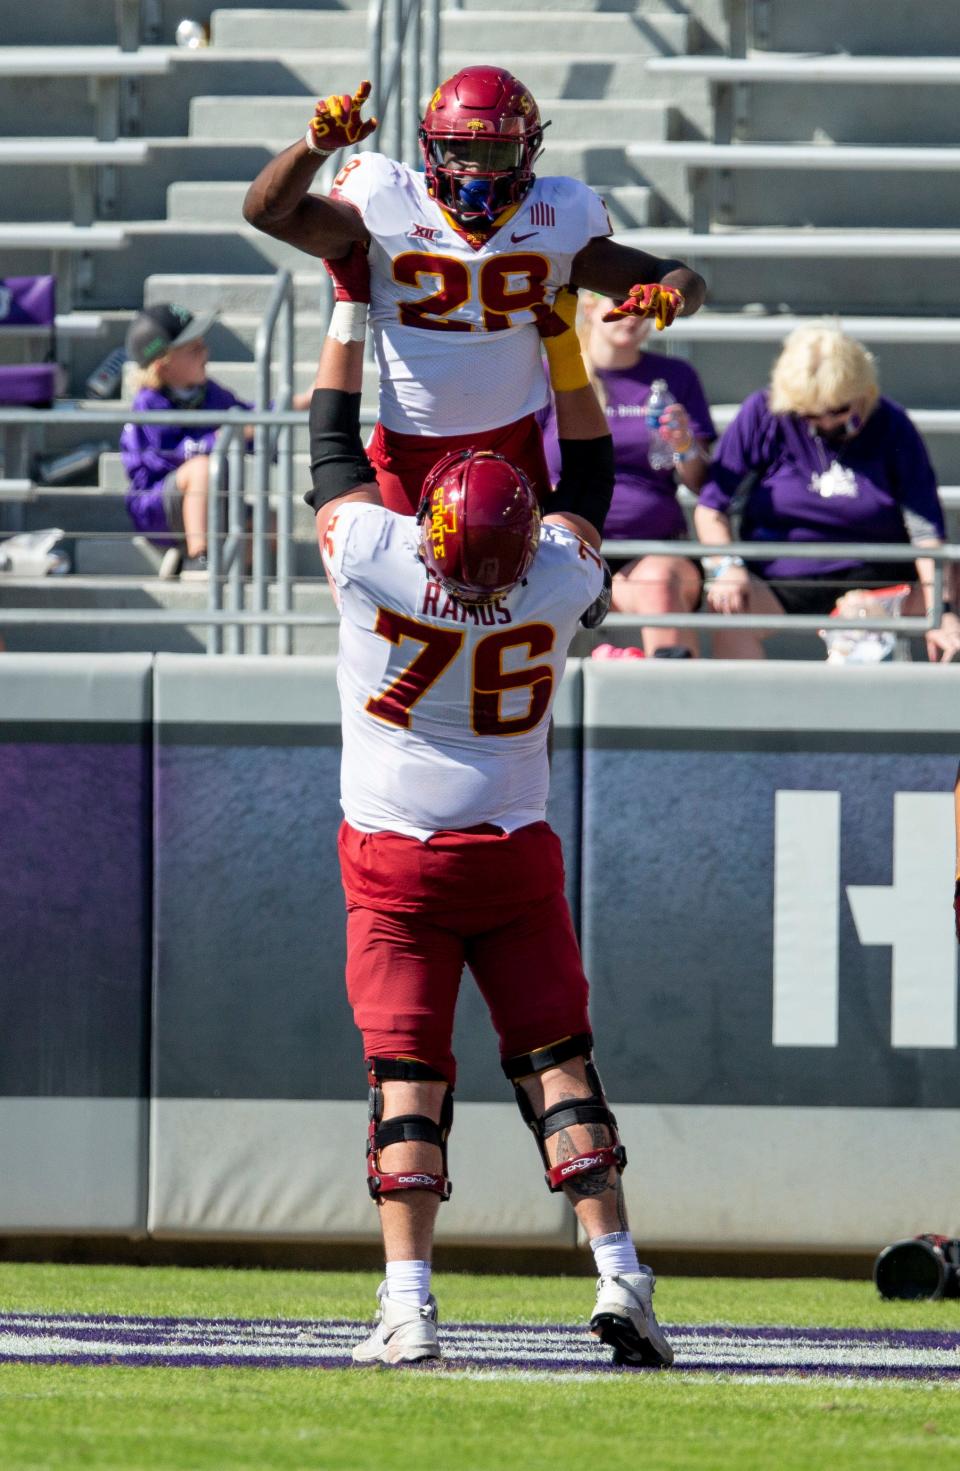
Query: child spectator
point(168, 465)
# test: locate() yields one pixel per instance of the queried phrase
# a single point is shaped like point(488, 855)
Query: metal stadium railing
point(226, 614)
point(404, 42)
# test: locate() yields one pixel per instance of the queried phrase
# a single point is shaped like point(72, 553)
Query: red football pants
point(418, 912)
point(403, 461)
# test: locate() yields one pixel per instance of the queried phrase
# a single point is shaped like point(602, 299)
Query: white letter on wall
point(806, 919)
point(914, 916)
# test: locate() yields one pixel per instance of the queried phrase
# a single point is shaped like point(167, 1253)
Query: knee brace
point(590, 1110)
point(405, 1128)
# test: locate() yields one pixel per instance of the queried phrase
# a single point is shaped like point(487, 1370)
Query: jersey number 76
point(440, 647)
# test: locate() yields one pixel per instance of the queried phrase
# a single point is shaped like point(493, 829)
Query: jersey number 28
point(505, 284)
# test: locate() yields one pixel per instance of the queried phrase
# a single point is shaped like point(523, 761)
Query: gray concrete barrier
point(767, 924)
point(75, 896)
point(761, 861)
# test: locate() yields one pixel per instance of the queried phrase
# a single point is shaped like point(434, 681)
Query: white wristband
point(715, 567)
point(348, 321)
point(320, 152)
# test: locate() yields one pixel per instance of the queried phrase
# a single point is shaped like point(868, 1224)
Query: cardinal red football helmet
point(479, 525)
point(481, 135)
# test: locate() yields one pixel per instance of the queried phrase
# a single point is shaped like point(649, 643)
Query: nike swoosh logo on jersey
point(517, 238)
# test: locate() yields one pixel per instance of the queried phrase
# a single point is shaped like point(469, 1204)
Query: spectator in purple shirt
point(644, 499)
point(820, 455)
point(168, 465)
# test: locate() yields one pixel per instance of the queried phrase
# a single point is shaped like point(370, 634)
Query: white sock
point(409, 1282)
point(615, 1254)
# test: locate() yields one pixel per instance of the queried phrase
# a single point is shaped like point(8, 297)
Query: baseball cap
point(157, 329)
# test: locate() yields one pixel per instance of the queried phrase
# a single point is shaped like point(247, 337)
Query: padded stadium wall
point(760, 860)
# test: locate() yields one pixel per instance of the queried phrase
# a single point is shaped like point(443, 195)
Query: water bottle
point(105, 380)
point(660, 453)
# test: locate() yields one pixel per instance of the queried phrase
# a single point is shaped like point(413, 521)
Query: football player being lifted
point(466, 259)
point(454, 629)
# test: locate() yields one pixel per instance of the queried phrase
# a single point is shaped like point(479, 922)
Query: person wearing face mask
point(645, 505)
point(820, 455)
point(168, 465)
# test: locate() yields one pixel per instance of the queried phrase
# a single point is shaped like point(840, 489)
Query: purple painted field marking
point(288, 1343)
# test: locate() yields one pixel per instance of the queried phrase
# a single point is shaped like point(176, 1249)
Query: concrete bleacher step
point(596, 156)
point(164, 98)
point(803, 98)
point(97, 516)
point(859, 198)
point(858, 29)
point(732, 351)
point(309, 595)
point(283, 118)
point(819, 271)
point(800, 184)
point(233, 292)
point(629, 204)
point(480, 33)
point(139, 189)
point(113, 481)
point(241, 377)
point(112, 556)
point(712, 16)
point(100, 23)
point(709, 20)
point(233, 336)
point(207, 246)
point(100, 542)
point(569, 7)
point(184, 249)
point(861, 274)
point(917, 374)
point(85, 509)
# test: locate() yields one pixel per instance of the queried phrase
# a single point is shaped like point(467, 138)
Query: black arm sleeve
point(338, 462)
point(593, 616)
point(585, 487)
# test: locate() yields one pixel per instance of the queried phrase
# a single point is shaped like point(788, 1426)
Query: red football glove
point(650, 300)
point(336, 122)
point(350, 275)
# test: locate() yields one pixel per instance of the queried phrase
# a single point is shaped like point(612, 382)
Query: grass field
point(163, 1419)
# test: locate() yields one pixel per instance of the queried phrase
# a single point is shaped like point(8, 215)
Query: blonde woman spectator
point(823, 457)
point(645, 502)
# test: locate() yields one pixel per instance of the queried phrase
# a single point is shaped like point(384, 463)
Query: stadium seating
point(701, 123)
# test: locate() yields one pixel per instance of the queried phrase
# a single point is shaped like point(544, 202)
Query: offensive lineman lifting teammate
point(454, 629)
point(465, 259)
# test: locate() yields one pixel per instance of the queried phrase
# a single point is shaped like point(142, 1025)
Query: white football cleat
point(402, 1334)
point(624, 1319)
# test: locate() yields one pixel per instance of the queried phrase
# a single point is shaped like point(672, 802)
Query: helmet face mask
point(480, 136)
point(479, 525)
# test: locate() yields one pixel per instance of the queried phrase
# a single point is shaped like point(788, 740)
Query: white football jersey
point(430, 287)
point(445, 708)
